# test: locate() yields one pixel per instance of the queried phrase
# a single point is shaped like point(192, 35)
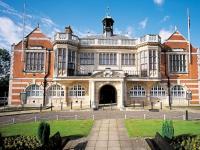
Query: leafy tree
point(4, 71)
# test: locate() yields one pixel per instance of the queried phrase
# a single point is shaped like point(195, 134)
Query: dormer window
point(34, 61)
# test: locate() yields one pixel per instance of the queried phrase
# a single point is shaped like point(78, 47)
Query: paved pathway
point(110, 134)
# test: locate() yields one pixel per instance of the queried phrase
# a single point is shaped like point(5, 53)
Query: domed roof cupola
point(108, 25)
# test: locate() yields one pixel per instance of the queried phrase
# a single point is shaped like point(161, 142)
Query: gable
point(35, 39)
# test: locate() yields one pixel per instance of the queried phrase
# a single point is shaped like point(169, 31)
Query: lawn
point(148, 128)
point(67, 127)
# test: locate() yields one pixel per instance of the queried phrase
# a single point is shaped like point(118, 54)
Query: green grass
point(148, 128)
point(67, 127)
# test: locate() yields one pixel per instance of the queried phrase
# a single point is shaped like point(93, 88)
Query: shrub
point(168, 129)
point(21, 143)
point(189, 142)
point(43, 133)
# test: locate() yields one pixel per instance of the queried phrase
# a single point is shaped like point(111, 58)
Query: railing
point(131, 73)
point(65, 37)
point(106, 41)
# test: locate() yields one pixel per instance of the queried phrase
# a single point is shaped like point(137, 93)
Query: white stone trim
point(31, 78)
point(11, 76)
point(169, 41)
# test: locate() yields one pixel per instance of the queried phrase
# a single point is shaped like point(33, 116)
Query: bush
point(186, 142)
point(21, 143)
point(43, 133)
point(168, 129)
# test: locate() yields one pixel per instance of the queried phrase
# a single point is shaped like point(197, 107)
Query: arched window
point(178, 91)
point(56, 91)
point(137, 91)
point(34, 90)
point(157, 91)
point(77, 90)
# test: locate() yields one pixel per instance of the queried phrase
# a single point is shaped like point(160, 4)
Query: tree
point(4, 71)
point(168, 129)
point(43, 132)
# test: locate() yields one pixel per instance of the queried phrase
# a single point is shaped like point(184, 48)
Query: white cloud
point(48, 22)
point(165, 34)
point(84, 33)
point(165, 18)
point(9, 32)
point(129, 31)
point(159, 2)
point(7, 9)
point(11, 25)
point(143, 23)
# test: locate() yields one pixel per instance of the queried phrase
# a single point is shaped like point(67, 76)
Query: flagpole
point(188, 14)
point(23, 29)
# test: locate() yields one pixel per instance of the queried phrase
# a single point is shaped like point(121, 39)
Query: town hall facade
point(104, 69)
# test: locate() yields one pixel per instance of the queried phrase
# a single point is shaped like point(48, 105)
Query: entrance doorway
point(107, 95)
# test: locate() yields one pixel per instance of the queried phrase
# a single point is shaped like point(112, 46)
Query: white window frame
point(107, 58)
point(175, 67)
point(34, 90)
point(137, 91)
point(61, 58)
point(128, 59)
point(144, 62)
point(35, 61)
point(56, 91)
point(157, 91)
point(178, 91)
point(77, 91)
point(86, 58)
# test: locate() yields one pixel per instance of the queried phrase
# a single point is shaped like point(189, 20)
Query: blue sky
point(134, 18)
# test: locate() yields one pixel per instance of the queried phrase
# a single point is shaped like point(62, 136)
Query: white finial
point(108, 11)
point(175, 28)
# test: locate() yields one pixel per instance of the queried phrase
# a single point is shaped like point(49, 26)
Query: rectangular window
point(177, 63)
point(71, 61)
point(143, 63)
point(107, 58)
point(61, 61)
point(71, 56)
point(35, 61)
point(86, 58)
point(152, 60)
point(128, 59)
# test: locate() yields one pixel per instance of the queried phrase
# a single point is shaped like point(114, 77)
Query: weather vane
point(108, 11)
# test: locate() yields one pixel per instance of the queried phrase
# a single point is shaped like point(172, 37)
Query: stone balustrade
point(107, 41)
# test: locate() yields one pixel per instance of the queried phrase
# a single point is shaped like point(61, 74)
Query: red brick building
point(84, 70)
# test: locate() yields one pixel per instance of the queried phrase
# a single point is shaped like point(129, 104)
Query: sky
point(133, 18)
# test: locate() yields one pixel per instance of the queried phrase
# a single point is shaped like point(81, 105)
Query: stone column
point(121, 99)
point(148, 90)
point(92, 94)
point(148, 71)
point(157, 63)
point(56, 63)
point(66, 59)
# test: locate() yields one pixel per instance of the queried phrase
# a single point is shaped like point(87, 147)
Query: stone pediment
point(108, 73)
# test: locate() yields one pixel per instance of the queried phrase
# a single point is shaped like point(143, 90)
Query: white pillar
point(66, 62)
point(148, 71)
point(56, 63)
point(92, 94)
point(121, 99)
point(157, 64)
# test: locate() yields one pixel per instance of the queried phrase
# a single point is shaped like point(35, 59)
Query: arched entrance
point(107, 94)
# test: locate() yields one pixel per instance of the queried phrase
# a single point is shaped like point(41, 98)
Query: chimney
point(69, 32)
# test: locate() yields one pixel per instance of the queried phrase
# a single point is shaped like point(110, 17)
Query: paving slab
point(111, 134)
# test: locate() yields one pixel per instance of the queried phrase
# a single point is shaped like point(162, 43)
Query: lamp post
point(189, 96)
